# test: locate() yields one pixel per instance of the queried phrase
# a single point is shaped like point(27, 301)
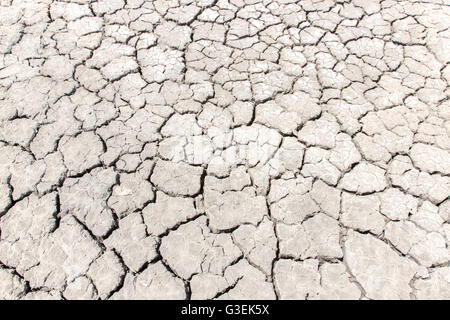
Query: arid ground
point(224, 149)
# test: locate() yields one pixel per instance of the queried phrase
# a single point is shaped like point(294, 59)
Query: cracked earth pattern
point(224, 149)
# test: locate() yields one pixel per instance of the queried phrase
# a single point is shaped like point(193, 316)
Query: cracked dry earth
point(224, 149)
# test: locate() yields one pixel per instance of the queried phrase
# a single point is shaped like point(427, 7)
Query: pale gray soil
point(228, 149)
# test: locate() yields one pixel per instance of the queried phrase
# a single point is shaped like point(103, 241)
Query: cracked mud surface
point(224, 149)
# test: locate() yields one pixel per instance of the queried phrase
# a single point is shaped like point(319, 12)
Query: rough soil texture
point(224, 149)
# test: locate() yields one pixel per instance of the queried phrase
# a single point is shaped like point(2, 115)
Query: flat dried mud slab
point(224, 149)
